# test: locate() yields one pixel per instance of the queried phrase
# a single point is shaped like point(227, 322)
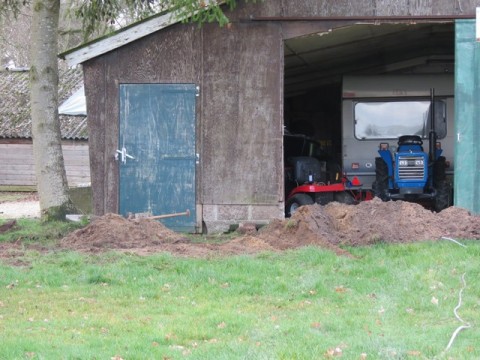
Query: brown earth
point(332, 226)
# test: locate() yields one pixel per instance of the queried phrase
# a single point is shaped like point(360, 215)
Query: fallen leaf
point(414, 353)
point(363, 356)
point(170, 336)
point(434, 300)
point(337, 352)
point(116, 357)
point(222, 325)
point(315, 325)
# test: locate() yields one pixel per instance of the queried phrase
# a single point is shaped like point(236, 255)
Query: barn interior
point(316, 63)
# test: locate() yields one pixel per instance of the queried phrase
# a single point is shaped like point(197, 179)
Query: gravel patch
point(20, 209)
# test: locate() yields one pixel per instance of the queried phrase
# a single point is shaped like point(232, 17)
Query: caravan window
point(392, 119)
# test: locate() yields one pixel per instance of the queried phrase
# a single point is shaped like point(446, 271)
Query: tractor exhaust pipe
point(432, 136)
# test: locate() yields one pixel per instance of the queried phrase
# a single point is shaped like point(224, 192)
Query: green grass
point(300, 304)
point(30, 231)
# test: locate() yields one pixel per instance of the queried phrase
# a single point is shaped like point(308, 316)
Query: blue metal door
point(157, 152)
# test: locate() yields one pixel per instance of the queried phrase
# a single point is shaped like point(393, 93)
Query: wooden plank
point(19, 168)
point(16, 159)
point(18, 183)
point(94, 79)
point(26, 175)
point(327, 8)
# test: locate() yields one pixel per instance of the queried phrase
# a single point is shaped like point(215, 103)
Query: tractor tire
point(380, 185)
point(295, 202)
point(443, 199)
point(439, 171)
point(344, 198)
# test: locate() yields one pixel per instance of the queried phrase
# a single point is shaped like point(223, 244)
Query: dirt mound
point(113, 231)
point(371, 222)
point(330, 226)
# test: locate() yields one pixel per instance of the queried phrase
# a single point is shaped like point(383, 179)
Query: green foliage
point(96, 13)
point(391, 302)
point(12, 7)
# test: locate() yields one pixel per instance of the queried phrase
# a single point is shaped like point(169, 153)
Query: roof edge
point(132, 32)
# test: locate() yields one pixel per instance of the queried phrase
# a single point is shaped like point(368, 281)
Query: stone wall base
point(220, 218)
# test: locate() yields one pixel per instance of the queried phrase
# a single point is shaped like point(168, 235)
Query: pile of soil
point(330, 226)
point(367, 223)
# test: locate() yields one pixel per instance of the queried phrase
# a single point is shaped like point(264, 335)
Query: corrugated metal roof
point(15, 121)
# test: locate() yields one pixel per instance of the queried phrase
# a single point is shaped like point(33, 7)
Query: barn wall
point(173, 57)
point(18, 168)
point(242, 172)
point(311, 8)
point(240, 109)
point(239, 135)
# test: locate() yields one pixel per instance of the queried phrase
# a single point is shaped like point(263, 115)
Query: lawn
point(390, 302)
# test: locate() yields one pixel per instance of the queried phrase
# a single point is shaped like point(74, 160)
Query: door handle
point(123, 155)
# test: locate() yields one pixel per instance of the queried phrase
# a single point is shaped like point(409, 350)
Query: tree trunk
point(52, 183)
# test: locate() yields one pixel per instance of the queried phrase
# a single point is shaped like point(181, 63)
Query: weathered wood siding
point(18, 167)
point(220, 63)
point(241, 119)
point(172, 56)
point(239, 69)
point(309, 8)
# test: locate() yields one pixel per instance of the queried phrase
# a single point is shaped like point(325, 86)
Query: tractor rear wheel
point(444, 195)
point(344, 198)
point(380, 185)
point(295, 202)
point(439, 170)
point(443, 199)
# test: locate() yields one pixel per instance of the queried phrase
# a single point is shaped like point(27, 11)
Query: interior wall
point(317, 114)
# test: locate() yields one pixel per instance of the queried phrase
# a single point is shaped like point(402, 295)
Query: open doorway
point(316, 64)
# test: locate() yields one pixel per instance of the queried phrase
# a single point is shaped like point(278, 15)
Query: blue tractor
point(411, 174)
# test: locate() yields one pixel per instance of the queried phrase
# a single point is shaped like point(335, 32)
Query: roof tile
point(15, 120)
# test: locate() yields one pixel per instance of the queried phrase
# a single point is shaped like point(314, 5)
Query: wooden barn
point(17, 171)
point(188, 117)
